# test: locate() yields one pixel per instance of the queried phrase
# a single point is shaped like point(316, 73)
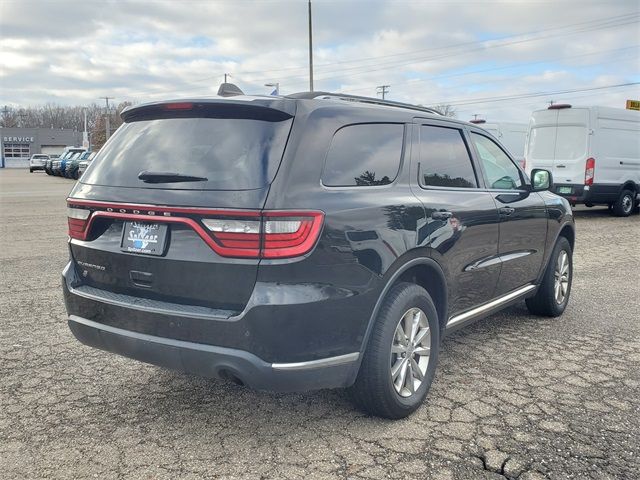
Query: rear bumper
point(288, 338)
point(218, 362)
point(596, 193)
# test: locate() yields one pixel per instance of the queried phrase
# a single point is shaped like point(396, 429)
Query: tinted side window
point(444, 158)
point(364, 155)
point(500, 171)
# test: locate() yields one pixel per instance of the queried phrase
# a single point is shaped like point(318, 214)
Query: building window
point(16, 150)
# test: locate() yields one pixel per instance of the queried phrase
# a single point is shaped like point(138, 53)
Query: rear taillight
point(290, 234)
point(230, 233)
point(589, 171)
point(77, 218)
point(275, 234)
point(237, 237)
point(524, 163)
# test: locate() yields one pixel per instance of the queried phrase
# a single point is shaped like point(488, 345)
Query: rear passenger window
point(364, 155)
point(444, 159)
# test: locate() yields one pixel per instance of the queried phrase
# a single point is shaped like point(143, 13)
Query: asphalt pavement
point(515, 396)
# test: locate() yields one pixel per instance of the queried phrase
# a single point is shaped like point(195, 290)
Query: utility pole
point(107, 120)
point(310, 50)
point(383, 89)
point(225, 77)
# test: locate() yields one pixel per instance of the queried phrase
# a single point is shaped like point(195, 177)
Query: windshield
point(231, 153)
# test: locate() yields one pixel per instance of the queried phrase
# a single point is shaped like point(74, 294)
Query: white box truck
point(592, 152)
point(511, 134)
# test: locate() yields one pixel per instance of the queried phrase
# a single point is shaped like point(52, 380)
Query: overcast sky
point(429, 52)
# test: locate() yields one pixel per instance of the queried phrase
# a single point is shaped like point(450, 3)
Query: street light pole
point(310, 50)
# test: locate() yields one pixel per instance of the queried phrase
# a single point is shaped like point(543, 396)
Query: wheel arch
point(630, 185)
point(424, 272)
point(568, 232)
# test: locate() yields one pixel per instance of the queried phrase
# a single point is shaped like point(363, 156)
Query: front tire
point(623, 207)
point(400, 360)
point(552, 296)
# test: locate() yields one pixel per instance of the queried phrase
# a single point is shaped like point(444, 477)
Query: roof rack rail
point(359, 99)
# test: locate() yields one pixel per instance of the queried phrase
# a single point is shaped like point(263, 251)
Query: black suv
point(305, 242)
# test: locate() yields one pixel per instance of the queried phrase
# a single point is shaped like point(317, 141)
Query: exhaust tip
point(231, 377)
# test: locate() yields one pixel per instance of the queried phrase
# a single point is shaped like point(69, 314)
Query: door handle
point(441, 215)
point(506, 211)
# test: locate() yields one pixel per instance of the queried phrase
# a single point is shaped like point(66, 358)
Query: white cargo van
point(512, 135)
point(593, 153)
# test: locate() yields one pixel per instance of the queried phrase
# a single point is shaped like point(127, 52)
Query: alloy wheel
point(561, 285)
point(410, 351)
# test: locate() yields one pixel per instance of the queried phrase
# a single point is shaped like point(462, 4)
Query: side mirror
point(541, 180)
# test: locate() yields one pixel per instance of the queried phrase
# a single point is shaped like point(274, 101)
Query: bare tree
point(57, 116)
point(445, 110)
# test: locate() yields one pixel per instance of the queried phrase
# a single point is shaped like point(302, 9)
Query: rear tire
point(552, 296)
point(623, 207)
point(388, 383)
point(31, 170)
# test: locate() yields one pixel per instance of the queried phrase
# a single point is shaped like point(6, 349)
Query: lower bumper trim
point(218, 362)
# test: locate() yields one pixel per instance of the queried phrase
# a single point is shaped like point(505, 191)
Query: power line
point(531, 95)
point(609, 22)
point(506, 67)
point(395, 64)
point(379, 57)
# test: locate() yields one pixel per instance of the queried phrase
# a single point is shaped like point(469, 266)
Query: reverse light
point(77, 219)
point(589, 171)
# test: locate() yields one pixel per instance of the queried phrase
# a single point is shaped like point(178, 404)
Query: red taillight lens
point(290, 234)
point(281, 234)
point(589, 171)
point(524, 163)
point(77, 218)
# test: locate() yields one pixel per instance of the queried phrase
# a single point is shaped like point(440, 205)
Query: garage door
point(52, 149)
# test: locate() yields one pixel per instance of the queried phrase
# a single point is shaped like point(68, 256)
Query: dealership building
point(18, 144)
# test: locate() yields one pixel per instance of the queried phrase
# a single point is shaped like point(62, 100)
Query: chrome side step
point(493, 304)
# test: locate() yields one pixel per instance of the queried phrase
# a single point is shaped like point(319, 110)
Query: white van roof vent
point(559, 106)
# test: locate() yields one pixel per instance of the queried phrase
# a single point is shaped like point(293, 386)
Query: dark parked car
point(305, 242)
point(72, 169)
point(84, 164)
point(61, 167)
point(48, 165)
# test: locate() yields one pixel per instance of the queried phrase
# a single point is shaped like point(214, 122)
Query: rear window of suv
point(231, 153)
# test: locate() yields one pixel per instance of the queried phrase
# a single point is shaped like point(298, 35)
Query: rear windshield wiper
point(168, 177)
